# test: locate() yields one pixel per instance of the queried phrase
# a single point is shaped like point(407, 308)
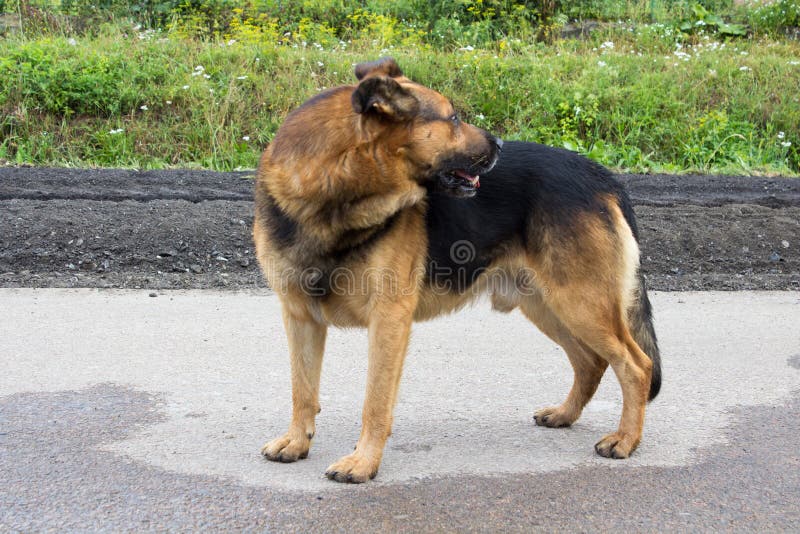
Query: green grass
point(654, 100)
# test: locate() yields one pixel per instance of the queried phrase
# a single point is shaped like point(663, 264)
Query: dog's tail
point(640, 313)
point(640, 321)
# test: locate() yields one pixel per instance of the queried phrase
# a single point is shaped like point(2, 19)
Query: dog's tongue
point(473, 180)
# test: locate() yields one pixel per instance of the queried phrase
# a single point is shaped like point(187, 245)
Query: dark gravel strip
point(116, 185)
point(710, 191)
point(192, 229)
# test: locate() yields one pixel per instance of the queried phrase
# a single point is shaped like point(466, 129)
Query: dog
point(376, 206)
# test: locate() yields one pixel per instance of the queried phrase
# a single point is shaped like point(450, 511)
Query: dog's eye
point(454, 118)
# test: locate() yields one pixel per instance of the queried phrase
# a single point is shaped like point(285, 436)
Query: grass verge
point(642, 98)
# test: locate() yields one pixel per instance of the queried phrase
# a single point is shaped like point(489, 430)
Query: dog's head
point(439, 149)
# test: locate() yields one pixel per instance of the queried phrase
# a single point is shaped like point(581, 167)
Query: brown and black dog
point(368, 214)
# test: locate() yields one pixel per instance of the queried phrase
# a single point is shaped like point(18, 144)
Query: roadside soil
point(192, 229)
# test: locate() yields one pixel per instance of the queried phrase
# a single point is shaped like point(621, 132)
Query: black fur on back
point(532, 186)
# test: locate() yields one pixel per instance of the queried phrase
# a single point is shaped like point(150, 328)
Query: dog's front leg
point(306, 345)
point(389, 329)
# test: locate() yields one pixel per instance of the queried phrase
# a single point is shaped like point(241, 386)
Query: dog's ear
point(385, 66)
point(384, 96)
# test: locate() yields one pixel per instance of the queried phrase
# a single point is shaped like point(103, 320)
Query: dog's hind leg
point(634, 373)
point(587, 366)
point(306, 346)
point(590, 270)
point(596, 319)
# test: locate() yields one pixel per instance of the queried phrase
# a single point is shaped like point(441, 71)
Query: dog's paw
point(287, 448)
point(554, 417)
point(616, 445)
point(354, 468)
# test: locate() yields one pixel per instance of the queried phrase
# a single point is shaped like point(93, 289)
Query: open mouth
point(460, 176)
point(459, 182)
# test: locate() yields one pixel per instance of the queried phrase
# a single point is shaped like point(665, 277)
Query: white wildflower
point(744, 68)
point(116, 131)
point(143, 108)
point(72, 41)
point(601, 63)
point(781, 135)
point(786, 144)
point(246, 138)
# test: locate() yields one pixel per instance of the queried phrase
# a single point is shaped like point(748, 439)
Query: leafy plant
point(715, 140)
point(577, 119)
point(703, 19)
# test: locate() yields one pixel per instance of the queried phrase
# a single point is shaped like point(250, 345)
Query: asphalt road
point(120, 411)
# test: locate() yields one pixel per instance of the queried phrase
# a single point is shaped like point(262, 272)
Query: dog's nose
point(498, 143)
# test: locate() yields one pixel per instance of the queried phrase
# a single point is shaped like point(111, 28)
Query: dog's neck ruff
point(321, 256)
